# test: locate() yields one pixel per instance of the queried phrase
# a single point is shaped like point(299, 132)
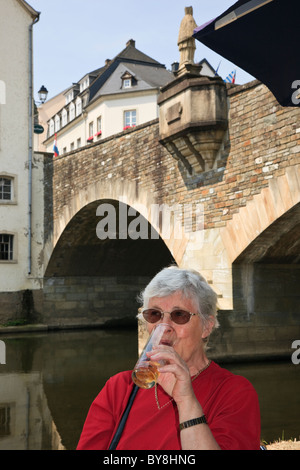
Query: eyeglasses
point(178, 316)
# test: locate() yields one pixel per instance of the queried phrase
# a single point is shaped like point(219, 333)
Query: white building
point(119, 95)
point(21, 211)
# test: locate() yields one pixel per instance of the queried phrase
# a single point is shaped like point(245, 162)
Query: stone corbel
point(193, 120)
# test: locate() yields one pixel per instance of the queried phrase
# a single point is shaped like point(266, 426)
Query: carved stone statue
point(186, 42)
point(193, 116)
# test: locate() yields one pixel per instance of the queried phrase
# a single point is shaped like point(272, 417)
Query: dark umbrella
point(262, 37)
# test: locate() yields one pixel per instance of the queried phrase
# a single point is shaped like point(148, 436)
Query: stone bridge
point(244, 238)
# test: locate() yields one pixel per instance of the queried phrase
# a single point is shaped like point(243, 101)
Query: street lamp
point(43, 93)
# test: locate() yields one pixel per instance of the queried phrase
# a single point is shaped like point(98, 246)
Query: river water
point(50, 379)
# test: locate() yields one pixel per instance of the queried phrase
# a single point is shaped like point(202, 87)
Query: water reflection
point(50, 379)
point(278, 386)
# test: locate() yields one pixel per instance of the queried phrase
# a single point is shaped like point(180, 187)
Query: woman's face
point(189, 336)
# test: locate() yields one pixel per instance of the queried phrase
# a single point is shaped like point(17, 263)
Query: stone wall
point(265, 319)
point(97, 301)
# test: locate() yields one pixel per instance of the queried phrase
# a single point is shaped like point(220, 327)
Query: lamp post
point(43, 93)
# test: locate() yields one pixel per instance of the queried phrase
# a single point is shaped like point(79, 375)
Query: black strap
point(119, 431)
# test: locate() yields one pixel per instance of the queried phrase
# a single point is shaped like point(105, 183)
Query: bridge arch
point(119, 191)
point(250, 222)
point(263, 248)
point(88, 279)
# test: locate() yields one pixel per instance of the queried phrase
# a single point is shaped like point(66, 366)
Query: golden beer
point(146, 373)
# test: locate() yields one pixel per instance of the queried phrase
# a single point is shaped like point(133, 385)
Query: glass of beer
point(146, 372)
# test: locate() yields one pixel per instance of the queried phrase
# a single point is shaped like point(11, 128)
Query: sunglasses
point(178, 316)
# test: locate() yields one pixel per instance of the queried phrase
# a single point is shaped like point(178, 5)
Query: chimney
point(131, 42)
point(175, 66)
point(107, 61)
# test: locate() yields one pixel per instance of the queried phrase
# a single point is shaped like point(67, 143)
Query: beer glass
point(145, 372)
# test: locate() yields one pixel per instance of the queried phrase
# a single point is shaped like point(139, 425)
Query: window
point(78, 143)
point(6, 247)
point(128, 80)
point(57, 123)
point(129, 118)
point(72, 111)
point(99, 126)
point(4, 421)
point(78, 107)
point(127, 83)
point(51, 127)
point(5, 189)
point(91, 129)
point(84, 85)
point(72, 146)
point(69, 97)
point(64, 117)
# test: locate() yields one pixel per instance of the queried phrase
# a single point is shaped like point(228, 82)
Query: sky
point(74, 37)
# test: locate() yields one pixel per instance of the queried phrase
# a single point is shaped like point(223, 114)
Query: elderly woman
point(196, 404)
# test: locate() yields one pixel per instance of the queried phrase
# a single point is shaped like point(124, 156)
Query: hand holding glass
point(145, 372)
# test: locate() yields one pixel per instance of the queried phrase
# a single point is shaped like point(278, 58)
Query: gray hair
point(190, 283)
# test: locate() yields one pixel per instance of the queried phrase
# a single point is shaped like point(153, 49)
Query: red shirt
point(229, 402)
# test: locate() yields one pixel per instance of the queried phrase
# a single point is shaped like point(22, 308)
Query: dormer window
point(64, 117)
point(78, 106)
point(57, 123)
point(51, 127)
point(72, 111)
point(128, 80)
point(69, 96)
point(127, 83)
point(84, 85)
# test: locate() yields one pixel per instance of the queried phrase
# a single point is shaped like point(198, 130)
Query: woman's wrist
point(189, 408)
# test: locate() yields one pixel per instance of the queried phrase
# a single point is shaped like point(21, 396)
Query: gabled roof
point(129, 55)
point(209, 69)
point(145, 78)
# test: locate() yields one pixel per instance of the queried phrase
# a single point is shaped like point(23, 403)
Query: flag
point(55, 148)
point(231, 77)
